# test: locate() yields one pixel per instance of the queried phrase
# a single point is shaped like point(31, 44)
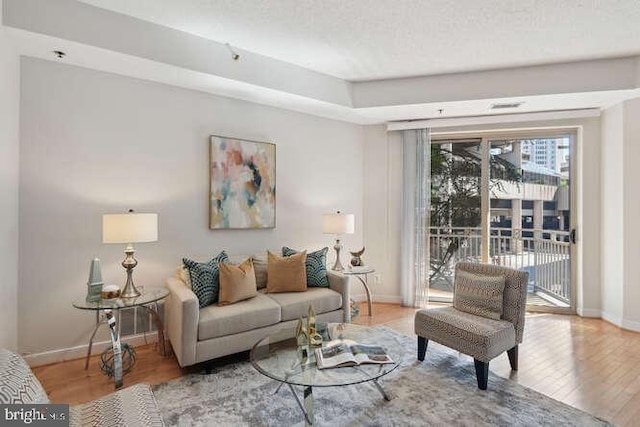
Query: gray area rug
point(442, 390)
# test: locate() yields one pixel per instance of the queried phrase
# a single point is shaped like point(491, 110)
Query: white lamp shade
point(130, 228)
point(338, 223)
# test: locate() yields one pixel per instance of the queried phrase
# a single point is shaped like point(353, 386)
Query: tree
point(456, 184)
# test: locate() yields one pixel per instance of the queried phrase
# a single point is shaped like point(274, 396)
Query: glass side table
point(362, 274)
point(148, 300)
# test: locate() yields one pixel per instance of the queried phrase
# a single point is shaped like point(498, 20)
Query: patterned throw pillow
point(205, 278)
point(316, 266)
point(479, 294)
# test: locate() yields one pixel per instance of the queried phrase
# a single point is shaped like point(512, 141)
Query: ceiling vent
point(505, 105)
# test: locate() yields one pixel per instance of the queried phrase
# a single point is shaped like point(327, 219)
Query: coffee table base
point(306, 406)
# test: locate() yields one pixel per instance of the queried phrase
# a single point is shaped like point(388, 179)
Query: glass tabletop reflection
point(279, 357)
point(148, 296)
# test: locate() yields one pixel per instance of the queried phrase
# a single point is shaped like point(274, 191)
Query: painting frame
point(242, 184)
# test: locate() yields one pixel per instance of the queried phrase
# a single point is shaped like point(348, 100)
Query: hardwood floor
point(586, 363)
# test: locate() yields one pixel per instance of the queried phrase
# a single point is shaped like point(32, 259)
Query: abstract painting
point(242, 184)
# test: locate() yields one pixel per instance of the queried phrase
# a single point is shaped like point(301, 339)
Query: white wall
point(94, 143)
point(631, 297)
point(9, 162)
point(613, 232)
point(383, 205)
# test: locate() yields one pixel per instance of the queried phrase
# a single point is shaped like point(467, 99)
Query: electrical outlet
point(377, 279)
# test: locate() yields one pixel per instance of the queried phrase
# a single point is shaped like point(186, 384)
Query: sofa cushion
point(479, 294)
point(216, 321)
point(315, 265)
point(17, 383)
point(237, 283)
point(476, 336)
point(205, 278)
point(296, 304)
point(286, 274)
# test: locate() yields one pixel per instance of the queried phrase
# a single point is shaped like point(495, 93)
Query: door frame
point(571, 132)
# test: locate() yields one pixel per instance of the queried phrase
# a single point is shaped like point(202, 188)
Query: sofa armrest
point(340, 283)
point(182, 315)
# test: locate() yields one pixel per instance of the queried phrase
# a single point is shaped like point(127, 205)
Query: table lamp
point(129, 228)
point(338, 223)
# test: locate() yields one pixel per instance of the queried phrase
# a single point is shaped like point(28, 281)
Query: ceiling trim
point(485, 120)
point(103, 40)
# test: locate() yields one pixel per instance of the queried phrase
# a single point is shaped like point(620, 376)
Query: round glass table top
point(148, 296)
point(358, 270)
point(279, 357)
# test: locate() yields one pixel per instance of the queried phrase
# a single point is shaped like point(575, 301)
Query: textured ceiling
point(376, 39)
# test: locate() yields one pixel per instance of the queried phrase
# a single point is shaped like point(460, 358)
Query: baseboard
point(71, 353)
point(616, 320)
point(632, 325)
point(590, 312)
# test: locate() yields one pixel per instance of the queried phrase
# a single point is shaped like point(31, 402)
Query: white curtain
point(414, 271)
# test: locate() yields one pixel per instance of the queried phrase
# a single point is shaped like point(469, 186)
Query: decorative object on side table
point(94, 284)
point(110, 292)
point(130, 228)
point(108, 360)
point(338, 224)
point(356, 260)
point(242, 184)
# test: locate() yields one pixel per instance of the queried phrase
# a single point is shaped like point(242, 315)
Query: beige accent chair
point(479, 337)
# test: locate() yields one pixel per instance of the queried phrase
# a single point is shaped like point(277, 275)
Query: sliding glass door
point(506, 201)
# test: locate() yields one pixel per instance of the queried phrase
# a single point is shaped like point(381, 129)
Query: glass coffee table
point(278, 357)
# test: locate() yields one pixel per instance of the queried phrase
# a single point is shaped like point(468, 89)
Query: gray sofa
point(201, 334)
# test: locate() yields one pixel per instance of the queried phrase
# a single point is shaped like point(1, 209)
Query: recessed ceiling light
point(505, 105)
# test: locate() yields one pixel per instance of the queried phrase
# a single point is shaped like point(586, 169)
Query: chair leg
point(482, 373)
point(513, 358)
point(422, 347)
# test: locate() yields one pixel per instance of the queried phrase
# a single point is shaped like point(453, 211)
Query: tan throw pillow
point(286, 274)
point(479, 294)
point(237, 283)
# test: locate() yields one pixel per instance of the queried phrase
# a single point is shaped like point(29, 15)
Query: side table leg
point(159, 328)
point(117, 349)
point(368, 291)
point(93, 335)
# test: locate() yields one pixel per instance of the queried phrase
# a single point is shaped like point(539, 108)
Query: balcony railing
point(544, 254)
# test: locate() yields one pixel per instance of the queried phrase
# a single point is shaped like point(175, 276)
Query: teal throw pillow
point(205, 278)
point(316, 266)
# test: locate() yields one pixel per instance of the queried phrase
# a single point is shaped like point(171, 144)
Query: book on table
point(347, 353)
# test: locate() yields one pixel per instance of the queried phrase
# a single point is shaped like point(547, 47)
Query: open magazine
point(350, 354)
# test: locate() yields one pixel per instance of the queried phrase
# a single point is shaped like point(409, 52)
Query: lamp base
point(129, 263)
point(338, 265)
